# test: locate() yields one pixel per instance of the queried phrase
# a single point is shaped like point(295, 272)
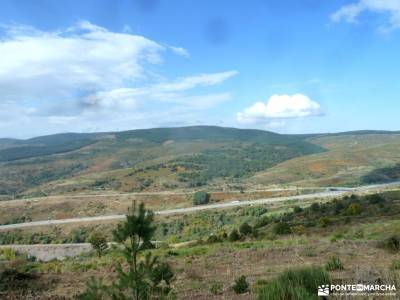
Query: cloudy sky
point(287, 66)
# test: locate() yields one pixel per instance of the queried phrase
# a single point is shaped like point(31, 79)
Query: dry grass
point(61, 207)
point(263, 260)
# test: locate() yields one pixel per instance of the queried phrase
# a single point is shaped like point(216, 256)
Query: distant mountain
point(13, 149)
point(183, 157)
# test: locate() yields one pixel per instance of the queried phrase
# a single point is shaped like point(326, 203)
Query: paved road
point(330, 193)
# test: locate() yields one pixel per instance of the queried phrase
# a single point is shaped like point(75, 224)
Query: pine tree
point(143, 279)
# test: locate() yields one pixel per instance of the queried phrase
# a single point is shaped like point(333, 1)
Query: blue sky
point(287, 66)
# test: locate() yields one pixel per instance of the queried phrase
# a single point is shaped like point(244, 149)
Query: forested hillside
point(191, 157)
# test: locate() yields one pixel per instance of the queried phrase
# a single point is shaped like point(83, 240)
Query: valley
point(272, 203)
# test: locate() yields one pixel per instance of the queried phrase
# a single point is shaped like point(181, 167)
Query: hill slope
point(161, 158)
point(191, 157)
point(351, 158)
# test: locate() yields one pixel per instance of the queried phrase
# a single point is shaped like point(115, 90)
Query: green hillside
point(351, 158)
point(190, 157)
point(134, 160)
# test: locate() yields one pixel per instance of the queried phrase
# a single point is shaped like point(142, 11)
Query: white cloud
point(198, 80)
point(280, 107)
point(170, 92)
point(350, 12)
point(85, 57)
point(180, 51)
point(89, 77)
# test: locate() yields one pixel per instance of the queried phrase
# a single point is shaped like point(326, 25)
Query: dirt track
point(331, 193)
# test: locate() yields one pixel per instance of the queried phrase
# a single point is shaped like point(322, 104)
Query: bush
point(213, 239)
point(234, 236)
point(8, 254)
point(255, 211)
point(261, 222)
point(13, 279)
point(339, 206)
point(392, 243)
point(353, 209)
point(297, 209)
point(297, 284)
point(299, 229)
point(395, 265)
point(324, 222)
point(98, 242)
point(359, 234)
point(201, 198)
point(375, 199)
point(315, 207)
point(241, 285)
point(334, 264)
point(216, 288)
point(282, 228)
point(245, 229)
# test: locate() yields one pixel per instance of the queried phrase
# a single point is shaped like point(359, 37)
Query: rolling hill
point(189, 157)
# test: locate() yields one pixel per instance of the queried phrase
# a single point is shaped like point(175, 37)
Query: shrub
point(359, 234)
point(234, 236)
point(334, 264)
point(339, 206)
point(98, 242)
point(13, 279)
point(255, 211)
point(295, 284)
point(353, 209)
point(315, 207)
point(263, 221)
point(245, 229)
point(375, 199)
point(282, 228)
point(213, 239)
point(324, 222)
point(200, 198)
point(299, 229)
point(78, 236)
point(8, 254)
point(297, 209)
point(392, 243)
point(241, 285)
point(224, 235)
point(216, 288)
point(336, 237)
point(395, 265)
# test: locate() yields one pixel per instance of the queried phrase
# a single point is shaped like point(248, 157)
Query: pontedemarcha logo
point(323, 290)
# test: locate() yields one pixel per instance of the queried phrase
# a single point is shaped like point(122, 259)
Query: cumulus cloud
point(87, 76)
point(350, 12)
point(280, 107)
point(82, 58)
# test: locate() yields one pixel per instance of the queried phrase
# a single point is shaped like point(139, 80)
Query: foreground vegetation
point(245, 253)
